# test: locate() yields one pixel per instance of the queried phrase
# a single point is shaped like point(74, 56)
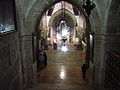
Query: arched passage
point(104, 22)
point(70, 19)
point(32, 18)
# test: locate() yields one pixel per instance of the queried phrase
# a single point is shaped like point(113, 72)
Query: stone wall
point(10, 66)
point(29, 67)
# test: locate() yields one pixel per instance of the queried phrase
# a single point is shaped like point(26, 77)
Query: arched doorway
point(49, 27)
point(36, 12)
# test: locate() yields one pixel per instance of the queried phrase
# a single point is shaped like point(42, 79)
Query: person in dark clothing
point(84, 69)
point(40, 60)
point(45, 58)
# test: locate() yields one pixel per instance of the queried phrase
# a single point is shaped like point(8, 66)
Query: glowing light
point(62, 75)
point(64, 48)
point(64, 32)
point(58, 36)
point(83, 43)
point(48, 38)
point(91, 37)
point(77, 39)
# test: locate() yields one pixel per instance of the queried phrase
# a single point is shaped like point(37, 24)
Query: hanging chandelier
point(88, 6)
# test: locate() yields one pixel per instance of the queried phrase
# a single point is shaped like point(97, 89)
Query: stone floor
point(63, 71)
point(57, 57)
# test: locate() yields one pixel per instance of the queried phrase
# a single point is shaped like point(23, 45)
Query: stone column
point(98, 58)
point(28, 66)
point(102, 43)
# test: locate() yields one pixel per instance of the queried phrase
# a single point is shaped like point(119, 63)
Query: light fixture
point(58, 36)
point(64, 32)
point(88, 6)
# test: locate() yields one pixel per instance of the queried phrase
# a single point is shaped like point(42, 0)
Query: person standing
point(45, 58)
point(84, 69)
point(40, 61)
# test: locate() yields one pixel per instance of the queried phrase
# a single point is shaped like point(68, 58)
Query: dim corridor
point(63, 71)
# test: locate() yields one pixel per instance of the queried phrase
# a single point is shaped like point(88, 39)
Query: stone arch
point(111, 35)
point(68, 16)
point(113, 18)
point(95, 22)
point(33, 16)
point(39, 8)
point(112, 40)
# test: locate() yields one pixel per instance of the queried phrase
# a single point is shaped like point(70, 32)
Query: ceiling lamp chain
point(63, 10)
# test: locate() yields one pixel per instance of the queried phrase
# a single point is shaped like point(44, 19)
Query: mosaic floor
point(63, 71)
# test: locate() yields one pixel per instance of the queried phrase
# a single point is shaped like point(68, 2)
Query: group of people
point(42, 59)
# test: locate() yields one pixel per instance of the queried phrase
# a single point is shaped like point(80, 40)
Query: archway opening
point(62, 34)
point(60, 25)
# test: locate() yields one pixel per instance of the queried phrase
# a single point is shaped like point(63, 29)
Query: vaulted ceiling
point(69, 18)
